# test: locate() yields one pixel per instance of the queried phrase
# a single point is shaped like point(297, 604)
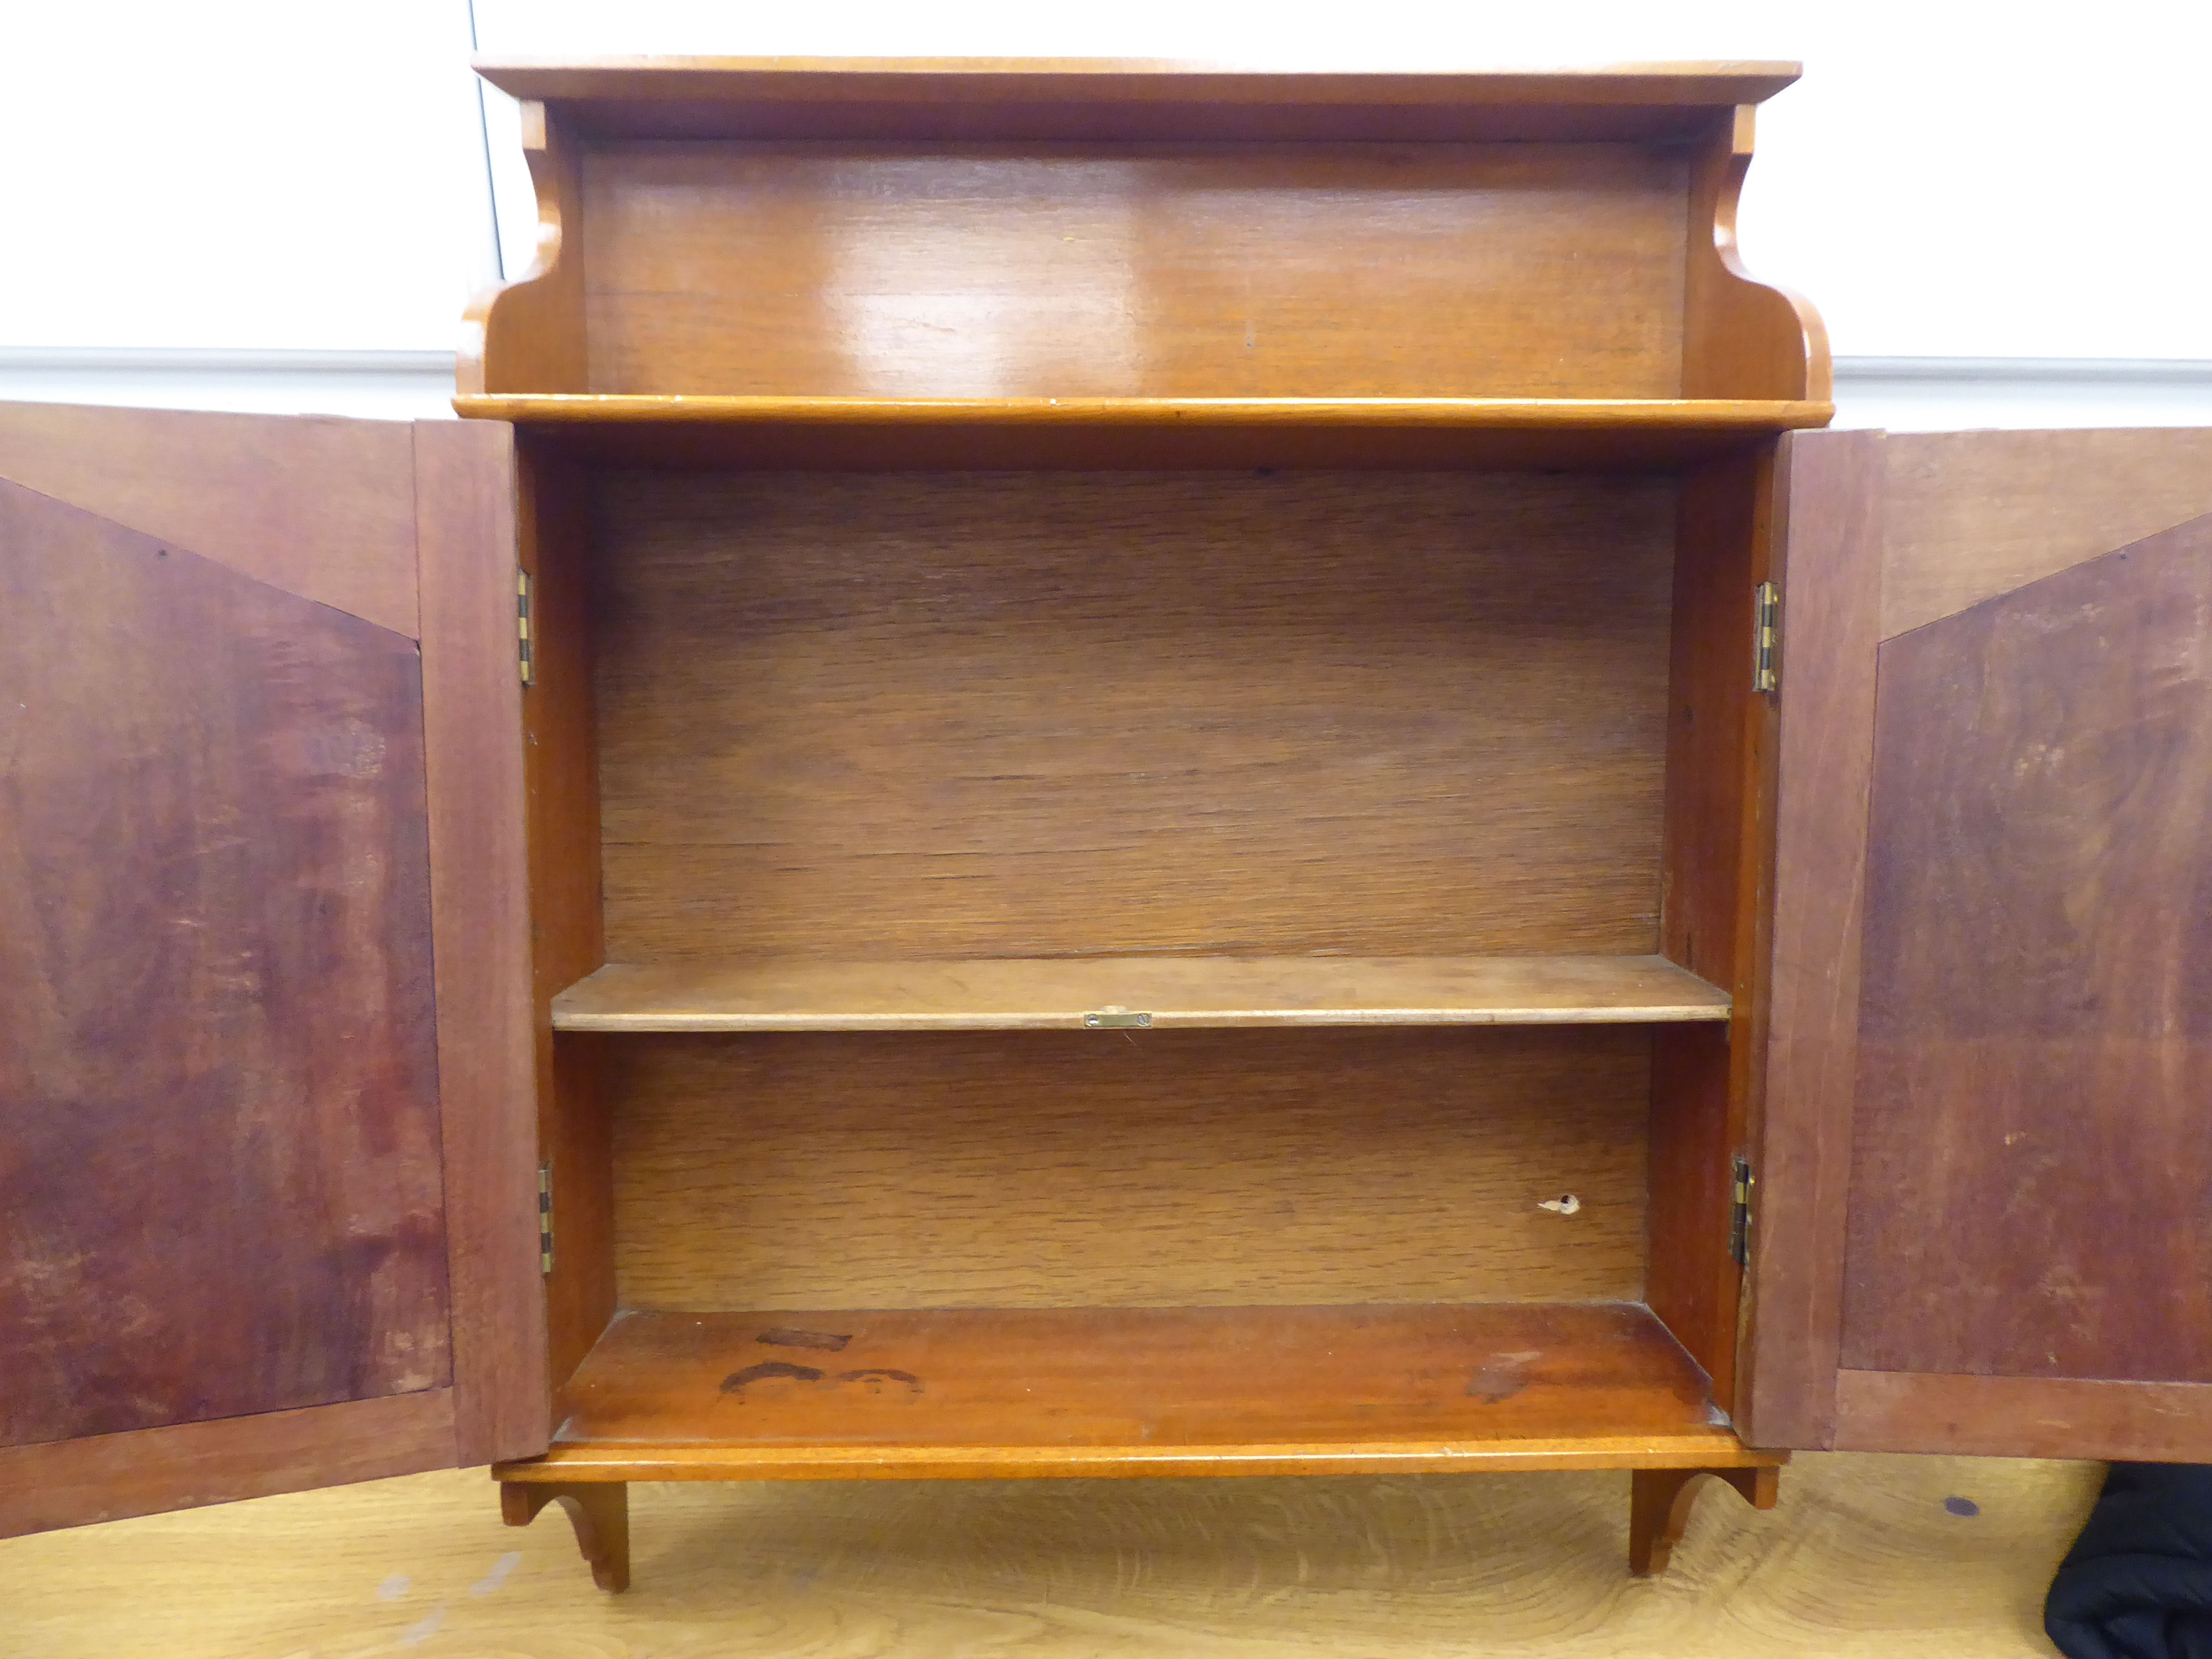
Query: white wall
point(1951, 180)
point(237, 174)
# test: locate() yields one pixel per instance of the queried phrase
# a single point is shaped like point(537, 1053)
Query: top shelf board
point(983, 98)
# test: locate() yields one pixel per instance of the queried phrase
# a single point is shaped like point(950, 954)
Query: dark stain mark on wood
point(736, 1381)
point(784, 1337)
point(1500, 1381)
point(874, 1378)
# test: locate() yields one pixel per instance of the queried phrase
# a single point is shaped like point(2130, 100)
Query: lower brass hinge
point(1766, 635)
point(1739, 1214)
point(525, 645)
point(545, 1217)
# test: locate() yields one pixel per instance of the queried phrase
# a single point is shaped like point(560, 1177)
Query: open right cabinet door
point(1983, 1221)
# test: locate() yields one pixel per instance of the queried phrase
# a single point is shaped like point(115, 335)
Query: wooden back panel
point(1043, 714)
point(1126, 1168)
point(887, 269)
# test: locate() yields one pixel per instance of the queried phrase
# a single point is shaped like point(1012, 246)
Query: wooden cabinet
point(1096, 770)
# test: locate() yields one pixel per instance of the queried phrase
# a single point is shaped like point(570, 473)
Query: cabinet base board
point(999, 1393)
point(569, 1464)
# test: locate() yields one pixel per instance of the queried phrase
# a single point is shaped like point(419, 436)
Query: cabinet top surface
point(954, 81)
point(1120, 101)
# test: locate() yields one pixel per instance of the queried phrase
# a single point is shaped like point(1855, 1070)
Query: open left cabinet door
point(1984, 1212)
point(267, 1138)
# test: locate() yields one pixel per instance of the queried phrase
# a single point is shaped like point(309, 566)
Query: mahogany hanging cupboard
point(1101, 769)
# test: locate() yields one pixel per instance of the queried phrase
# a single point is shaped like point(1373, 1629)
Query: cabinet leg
point(599, 1511)
point(1659, 1505)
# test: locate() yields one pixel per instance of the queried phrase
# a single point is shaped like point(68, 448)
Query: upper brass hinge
point(525, 645)
point(1766, 636)
point(545, 1217)
point(1739, 1213)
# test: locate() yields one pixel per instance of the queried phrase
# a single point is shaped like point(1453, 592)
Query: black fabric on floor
point(2137, 1584)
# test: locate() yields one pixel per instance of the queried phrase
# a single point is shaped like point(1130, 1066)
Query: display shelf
point(1162, 432)
point(769, 994)
point(990, 1393)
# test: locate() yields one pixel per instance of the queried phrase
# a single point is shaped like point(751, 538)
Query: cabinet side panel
point(464, 479)
point(1830, 582)
point(2032, 1183)
point(1740, 338)
point(528, 336)
point(1714, 883)
point(217, 1069)
point(561, 768)
point(886, 269)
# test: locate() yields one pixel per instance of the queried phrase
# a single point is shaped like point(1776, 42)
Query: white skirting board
point(1905, 394)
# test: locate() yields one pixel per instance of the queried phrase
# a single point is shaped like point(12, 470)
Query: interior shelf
point(1341, 432)
point(769, 994)
point(984, 1393)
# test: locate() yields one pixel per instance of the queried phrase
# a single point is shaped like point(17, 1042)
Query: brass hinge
point(1739, 1214)
point(1115, 1020)
point(545, 1217)
point(1765, 673)
point(525, 645)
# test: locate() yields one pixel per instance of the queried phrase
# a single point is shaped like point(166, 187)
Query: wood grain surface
point(2030, 1172)
point(1690, 1276)
point(1974, 514)
point(1188, 1391)
point(223, 1158)
point(986, 99)
point(1056, 272)
point(1805, 1069)
point(1861, 1559)
point(867, 81)
point(482, 930)
point(1140, 434)
point(2024, 1416)
point(1715, 876)
point(560, 769)
point(316, 505)
point(107, 1477)
point(528, 336)
point(1661, 1501)
point(1342, 418)
point(917, 1169)
point(1740, 337)
point(1039, 714)
point(1008, 995)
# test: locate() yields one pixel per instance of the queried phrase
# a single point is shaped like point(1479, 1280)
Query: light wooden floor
point(1861, 1558)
